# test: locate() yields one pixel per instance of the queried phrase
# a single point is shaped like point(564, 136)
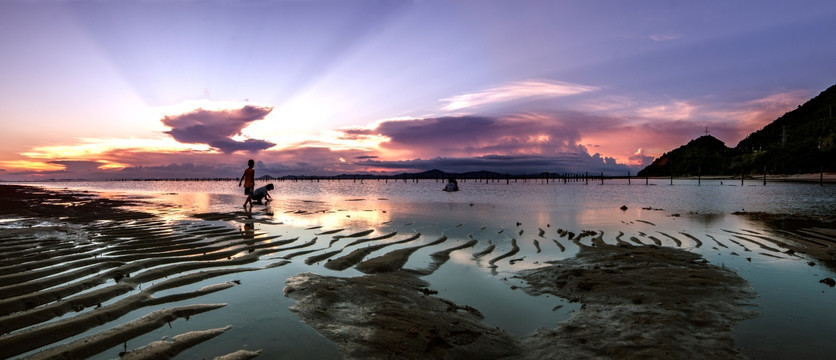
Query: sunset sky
point(159, 89)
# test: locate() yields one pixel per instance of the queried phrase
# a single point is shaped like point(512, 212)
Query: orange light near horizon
point(47, 158)
point(109, 165)
point(29, 165)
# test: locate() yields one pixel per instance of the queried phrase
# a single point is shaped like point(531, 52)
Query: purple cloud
point(479, 135)
point(251, 145)
point(216, 128)
point(77, 166)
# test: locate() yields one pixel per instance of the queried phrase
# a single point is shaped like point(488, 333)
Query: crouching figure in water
point(262, 193)
point(452, 185)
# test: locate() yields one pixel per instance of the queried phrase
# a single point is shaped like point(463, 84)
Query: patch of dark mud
point(386, 315)
point(641, 302)
point(638, 302)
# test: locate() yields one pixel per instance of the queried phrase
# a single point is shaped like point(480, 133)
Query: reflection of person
point(262, 193)
point(249, 233)
point(452, 185)
point(249, 182)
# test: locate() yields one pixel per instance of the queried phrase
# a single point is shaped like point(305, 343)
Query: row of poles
point(544, 178)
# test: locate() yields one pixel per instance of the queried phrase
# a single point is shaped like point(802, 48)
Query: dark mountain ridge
point(800, 141)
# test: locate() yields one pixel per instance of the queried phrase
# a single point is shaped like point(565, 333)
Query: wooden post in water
point(699, 176)
point(764, 176)
point(586, 177)
point(646, 180)
point(628, 177)
point(602, 178)
point(741, 179)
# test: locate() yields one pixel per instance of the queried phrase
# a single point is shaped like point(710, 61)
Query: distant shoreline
point(829, 178)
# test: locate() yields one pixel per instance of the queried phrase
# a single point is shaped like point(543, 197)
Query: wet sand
point(75, 261)
point(638, 302)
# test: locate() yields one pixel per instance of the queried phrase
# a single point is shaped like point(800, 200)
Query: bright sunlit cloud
point(514, 91)
point(675, 110)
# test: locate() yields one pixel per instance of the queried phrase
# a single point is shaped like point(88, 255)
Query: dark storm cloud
point(250, 145)
point(77, 166)
point(216, 128)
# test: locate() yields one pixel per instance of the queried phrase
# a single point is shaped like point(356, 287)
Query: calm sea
point(797, 320)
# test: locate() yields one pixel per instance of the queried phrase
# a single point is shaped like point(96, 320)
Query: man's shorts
point(248, 190)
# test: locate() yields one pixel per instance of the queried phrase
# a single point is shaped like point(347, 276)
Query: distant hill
point(703, 155)
point(801, 141)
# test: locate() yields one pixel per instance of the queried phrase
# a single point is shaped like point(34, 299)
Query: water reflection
point(696, 218)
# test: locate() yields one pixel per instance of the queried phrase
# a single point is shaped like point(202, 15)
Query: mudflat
point(74, 261)
point(639, 302)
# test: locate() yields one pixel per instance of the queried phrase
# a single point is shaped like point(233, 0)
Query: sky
point(186, 89)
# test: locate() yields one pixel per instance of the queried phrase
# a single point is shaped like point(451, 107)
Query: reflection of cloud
point(216, 128)
point(514, 91)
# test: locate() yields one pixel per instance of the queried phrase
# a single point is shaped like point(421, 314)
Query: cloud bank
point(526, 143)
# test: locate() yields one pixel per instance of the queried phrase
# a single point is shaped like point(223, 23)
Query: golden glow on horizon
point(90, 148)
point(40, 157)
point(30, 165)
point(111, 165)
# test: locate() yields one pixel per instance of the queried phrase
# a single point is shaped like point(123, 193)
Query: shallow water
point(797, 316)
